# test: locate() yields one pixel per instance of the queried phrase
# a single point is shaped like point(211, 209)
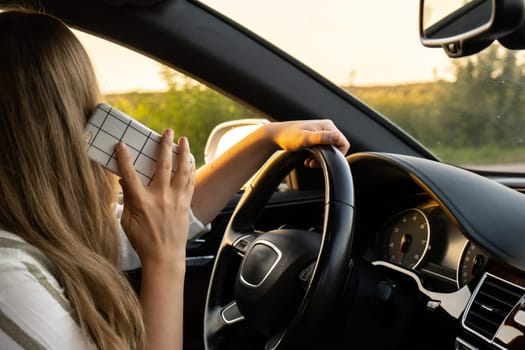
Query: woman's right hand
point(156, 217)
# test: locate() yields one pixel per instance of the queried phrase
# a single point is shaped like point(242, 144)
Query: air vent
point(492, 301)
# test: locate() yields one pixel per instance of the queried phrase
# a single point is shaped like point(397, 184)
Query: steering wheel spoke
point(221, 320)
point(274, 340)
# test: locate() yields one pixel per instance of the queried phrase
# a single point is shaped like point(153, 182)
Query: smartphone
point(107, 126)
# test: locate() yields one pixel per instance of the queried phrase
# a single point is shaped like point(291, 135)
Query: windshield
point(467, 111)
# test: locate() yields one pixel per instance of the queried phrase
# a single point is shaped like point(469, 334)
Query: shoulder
point(34, 311)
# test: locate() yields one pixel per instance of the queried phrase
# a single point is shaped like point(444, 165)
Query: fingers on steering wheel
point(311, 163)
point(339, 141)
point(331, 135)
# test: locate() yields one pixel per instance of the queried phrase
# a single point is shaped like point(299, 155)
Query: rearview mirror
point(464, 27)
point(443, 22)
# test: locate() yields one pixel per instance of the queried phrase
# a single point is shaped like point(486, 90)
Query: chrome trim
point(519, 318)
point(464, 343)
point(279, 256)
point(199, 260)
point(438, 275)
point(433, 304)
point(453, 303)
point(474, 294)
point(460, 260)
point(195, 243)
point(235, 320)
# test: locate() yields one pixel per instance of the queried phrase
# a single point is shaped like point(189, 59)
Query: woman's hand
point(156, 217)
point(156, 220)
point(295, 135)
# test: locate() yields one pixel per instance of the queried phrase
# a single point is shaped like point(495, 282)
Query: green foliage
point(189, 108)
point(486, 103)
point(487, 154)
point(478, 118)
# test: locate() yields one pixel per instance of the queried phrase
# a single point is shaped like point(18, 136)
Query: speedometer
point(406, 238)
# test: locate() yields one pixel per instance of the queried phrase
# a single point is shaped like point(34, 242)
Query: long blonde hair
point(52, 195)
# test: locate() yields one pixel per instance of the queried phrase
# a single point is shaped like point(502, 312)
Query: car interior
point(386, 248)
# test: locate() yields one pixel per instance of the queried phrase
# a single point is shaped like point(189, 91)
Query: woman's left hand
point(156, 217)
point(295, 135)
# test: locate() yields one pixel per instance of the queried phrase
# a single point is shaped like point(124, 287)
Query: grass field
point(479, 156)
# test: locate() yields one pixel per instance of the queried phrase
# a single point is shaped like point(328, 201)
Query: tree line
point(477, 117)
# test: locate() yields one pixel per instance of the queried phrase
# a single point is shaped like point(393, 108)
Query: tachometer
point(406, 238)
point(472, 262)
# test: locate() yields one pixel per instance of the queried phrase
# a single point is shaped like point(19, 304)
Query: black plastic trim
point(489, 213)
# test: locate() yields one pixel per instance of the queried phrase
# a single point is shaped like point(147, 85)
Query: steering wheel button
point(259, 263)
point(231, 314)
point(243, 244)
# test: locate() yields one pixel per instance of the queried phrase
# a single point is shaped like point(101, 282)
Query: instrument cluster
point(425, 240)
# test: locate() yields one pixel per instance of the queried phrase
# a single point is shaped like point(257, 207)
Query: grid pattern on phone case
point(109, 126)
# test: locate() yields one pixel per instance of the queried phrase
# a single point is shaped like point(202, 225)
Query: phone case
point(107, 126)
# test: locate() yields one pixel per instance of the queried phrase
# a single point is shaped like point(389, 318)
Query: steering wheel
point(284, 282)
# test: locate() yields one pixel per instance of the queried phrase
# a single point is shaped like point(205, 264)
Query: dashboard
point(457, 235)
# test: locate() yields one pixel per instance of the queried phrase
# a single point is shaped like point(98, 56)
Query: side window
point(159, 96)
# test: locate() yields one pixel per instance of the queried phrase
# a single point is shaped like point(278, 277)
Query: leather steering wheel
point(283, 282)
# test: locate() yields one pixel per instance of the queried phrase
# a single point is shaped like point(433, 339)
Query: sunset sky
point(364, 42)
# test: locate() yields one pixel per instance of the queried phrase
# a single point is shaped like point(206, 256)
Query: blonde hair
point(53, 195)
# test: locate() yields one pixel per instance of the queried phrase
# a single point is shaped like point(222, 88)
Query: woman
point(61, 253)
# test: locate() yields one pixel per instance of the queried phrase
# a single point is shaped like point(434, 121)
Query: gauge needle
point(477, 264)
point(406, 240)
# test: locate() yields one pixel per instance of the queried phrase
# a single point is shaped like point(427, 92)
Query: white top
point(34, 312)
